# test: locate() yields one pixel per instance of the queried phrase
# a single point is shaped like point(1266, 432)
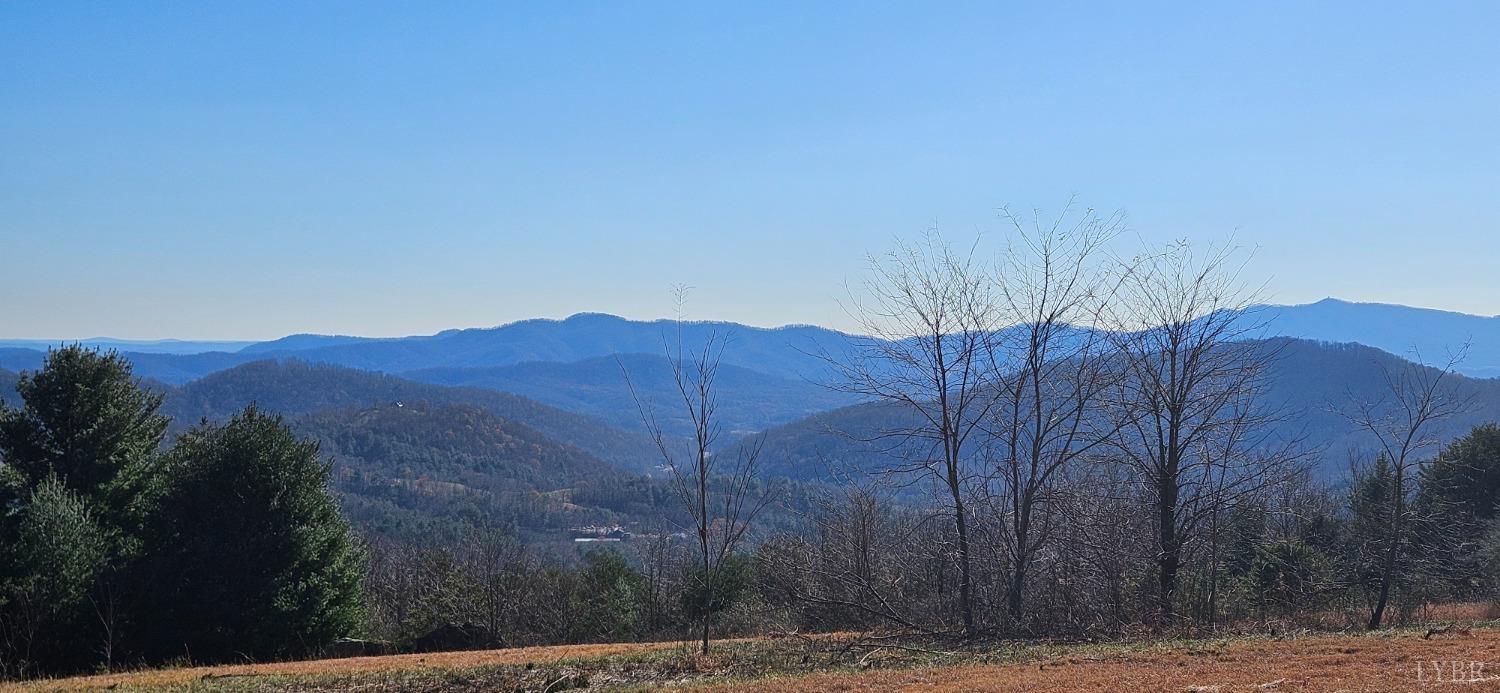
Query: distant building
point(599, 533)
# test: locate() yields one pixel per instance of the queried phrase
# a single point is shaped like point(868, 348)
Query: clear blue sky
point(250, 169)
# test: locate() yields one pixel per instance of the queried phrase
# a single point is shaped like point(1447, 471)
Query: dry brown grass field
point(349, 666)
point(1402, 660)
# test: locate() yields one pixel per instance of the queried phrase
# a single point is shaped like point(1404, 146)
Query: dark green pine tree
point(1463, 483)
point(255, 559)
point(84, 419)
point(77, 455)
point(1456, 503)
point(55, 560)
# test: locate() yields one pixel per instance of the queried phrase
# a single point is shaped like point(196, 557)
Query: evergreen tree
point(59, 550)
point(255, 557)
point(77, 459)
point(85, 419)
point(1463, 483)
point(1287, 575)
point(1370, 520)
point(730, 586)
point(610, 596)
point(1457, 503)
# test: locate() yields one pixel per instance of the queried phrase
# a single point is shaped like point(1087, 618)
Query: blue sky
point(247, 170)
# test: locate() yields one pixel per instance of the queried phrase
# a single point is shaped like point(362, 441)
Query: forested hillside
point(1310, 390)
point(587, 404)
point(546, 467)
point(424, 468)
point(295, 388)
point(417, 460)
point(752, 401)
point(467, 496)
point(1317, 386)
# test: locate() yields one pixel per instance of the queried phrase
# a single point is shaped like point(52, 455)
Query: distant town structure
point(595, 533)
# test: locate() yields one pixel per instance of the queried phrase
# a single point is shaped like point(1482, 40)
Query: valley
point(519, 435)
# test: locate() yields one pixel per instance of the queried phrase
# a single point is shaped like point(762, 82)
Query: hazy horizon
point(700, 319)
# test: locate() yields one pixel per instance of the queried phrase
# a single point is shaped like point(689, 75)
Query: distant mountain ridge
point(140, 346)
point(569, 370)
point(808, 432)
point(1404, 331)
point(789, 352)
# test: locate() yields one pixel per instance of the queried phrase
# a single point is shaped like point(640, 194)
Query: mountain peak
point(591, 317)
point(1332, 302)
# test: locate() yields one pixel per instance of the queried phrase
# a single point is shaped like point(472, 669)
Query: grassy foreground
point(1386, 661)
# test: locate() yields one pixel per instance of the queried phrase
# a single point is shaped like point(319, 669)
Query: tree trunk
point(1169, 549)
point(1017, 583)
point(1213, 570)
point(708, 566)
point(1014, 600)
point(965, 589)
point(708, 601)
point(708, 597)
point(1379, 612)
point(1393, 554)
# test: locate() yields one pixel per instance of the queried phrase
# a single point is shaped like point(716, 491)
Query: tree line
point(118, 550)
point(1097, 456)
point(1092, 453)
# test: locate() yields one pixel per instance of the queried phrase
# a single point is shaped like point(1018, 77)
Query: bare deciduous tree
point(1401, 424)
point(928, 313)
point(1052, 372)
point(721, 496)
point(1190, 420)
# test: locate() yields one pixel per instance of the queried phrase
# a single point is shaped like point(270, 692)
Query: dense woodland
point(1055, 444)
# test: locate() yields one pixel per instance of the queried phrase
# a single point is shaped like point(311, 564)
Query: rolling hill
point(414, 468)
point(1308, 385)
point(563, 377)
point(17, 359)
point(295, 388)
point(174, 369)
point(414, 455)
point(751, 401)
